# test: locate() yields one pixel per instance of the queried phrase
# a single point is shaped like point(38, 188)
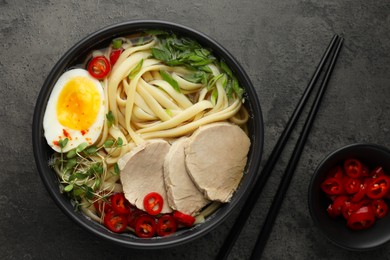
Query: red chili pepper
point(387, 195)
point(114, 56)
point(353, 168)
point(335, 172)
point(115, 222)
point(378, 188)
point(348, 208)
point(365, 171)
point(101, 205)
point(185, 219)
point(153, 203)
point(119, 204)
point(99, 67)
point(380, 208)
point(332, 186)
point(145, 226)
point(358, 196)
point(132, 217)
point(378, 171)
point(363, 218)
point(367, 181)
point(351, 186)
point(166, 225)
point(334, 209)
point(365, 202)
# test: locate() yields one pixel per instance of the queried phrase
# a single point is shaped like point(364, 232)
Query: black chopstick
point(267, 169)
point(289, 172)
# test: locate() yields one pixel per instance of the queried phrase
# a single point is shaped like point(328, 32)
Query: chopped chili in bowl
point(358, 194)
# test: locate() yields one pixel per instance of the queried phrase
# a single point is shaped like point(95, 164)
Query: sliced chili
point(115, 222)
point(133, 215)
point(351, 186)
point(377, 171)
point(145, 226)
point(332, 186)
point(358, 196)
point(153, 203)
point(114, 56)
point(380, 208)
point(357, 193)
point(99, 67)
point(166, 225)
point(184, 219)
point(336, 172)
point(363, 218)
point(353, 168)
point(119, 204)
point(334, 209)
point(365, 171)
point(102, 204)
point(378, 188)
point(348, 208)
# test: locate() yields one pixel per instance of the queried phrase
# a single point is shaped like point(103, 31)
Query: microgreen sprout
point(83, 169)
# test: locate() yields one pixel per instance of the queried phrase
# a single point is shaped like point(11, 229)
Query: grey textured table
point(278, 43)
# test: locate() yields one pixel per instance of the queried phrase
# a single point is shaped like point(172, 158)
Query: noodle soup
point(152, 85)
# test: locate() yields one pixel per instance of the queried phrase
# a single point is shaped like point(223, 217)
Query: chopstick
point(269, 165)
point(289, 172)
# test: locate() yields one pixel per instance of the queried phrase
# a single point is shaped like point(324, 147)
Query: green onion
point(117, 43)
point(236, 87)
point(213, 81)
point(168, 78)
point(226, 69)
point(214, 96)
point(136, 69)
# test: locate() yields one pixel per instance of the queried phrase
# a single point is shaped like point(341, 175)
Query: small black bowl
point(43, 152)
point(335, 229)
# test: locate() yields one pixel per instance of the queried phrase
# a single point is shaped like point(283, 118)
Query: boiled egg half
point(75, 110)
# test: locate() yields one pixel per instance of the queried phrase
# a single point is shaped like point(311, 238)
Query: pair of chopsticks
point(330, 55)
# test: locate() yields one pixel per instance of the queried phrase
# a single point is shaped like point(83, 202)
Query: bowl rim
point(110, 32)
point(310, 197)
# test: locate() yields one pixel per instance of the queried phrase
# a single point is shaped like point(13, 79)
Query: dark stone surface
point(279, 43)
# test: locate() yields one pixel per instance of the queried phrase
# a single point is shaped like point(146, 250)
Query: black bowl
point(79, 52)
point(335, 229)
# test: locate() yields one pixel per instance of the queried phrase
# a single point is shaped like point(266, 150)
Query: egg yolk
point(78, 104)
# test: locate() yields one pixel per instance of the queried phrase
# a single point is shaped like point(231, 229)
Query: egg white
point(54, 130)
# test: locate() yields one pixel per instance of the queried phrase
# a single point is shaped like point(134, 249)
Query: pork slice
point(182, 193)
point(216, 156)
point(142, 172)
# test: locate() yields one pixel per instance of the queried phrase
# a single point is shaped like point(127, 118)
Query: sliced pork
point(142, 172)
point(182, 193)
point(216, 156)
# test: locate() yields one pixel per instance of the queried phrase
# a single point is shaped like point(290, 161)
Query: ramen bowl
point(335, 228)
point(43, 152)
